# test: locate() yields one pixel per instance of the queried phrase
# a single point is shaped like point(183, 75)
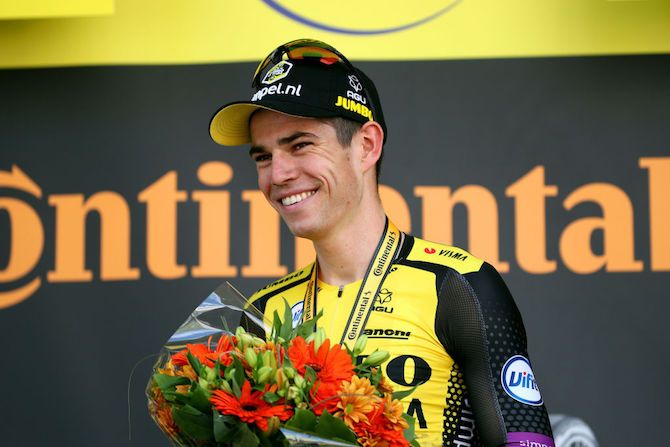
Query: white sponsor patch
point(519, 382)
point(296, 311)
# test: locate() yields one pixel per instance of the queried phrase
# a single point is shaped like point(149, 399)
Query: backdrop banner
point(118, 215)
point(103, 32)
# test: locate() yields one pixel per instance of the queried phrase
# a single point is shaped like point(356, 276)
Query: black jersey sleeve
point(482, 329)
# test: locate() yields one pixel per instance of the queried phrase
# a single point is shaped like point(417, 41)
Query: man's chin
point(302, 230)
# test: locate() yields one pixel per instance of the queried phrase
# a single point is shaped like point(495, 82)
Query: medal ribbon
point(378, 268)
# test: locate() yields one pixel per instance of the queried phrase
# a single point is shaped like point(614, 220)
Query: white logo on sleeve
point(519, 382)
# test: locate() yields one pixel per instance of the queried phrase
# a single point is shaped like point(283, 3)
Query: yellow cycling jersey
point(453, 330)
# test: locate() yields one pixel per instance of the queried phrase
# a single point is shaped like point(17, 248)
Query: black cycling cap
point(306, 78)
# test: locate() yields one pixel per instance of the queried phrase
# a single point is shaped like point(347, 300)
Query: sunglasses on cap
point(301, 49)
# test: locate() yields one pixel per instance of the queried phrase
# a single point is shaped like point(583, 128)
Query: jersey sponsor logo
point(278, 89)
point(518, 381)
point(384, 297)
point(279, 71)
point(528, 439)
point(283, 280)
point(296, 312)
point(353, 106)
point(379, 269)
point(454, 254)
point(387, 333)
point(466, 426)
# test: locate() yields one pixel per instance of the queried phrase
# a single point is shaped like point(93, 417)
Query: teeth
point(291, 200)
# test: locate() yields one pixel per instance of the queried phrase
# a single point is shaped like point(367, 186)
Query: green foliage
point(399, 395)
point(302, 420)
point(194, 422)
point(330, 427)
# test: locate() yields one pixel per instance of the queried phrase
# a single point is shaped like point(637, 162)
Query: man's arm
point(482, 329)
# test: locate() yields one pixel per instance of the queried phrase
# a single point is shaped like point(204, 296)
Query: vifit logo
point(518, 381)
point(279, 89)
point(296, 313)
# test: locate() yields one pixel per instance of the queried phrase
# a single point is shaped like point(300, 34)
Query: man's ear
point(372, 139)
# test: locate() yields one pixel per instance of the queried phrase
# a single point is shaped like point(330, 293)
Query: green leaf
point(168, 383)
point(195, 363)
point(225, 427)
point(193, 422)
point(399, 395)
point(409, 431)
point(271, 397)
point(245, 437)
point(332, 428)
point(200, 399)
point(302, 420)
point(287, 325)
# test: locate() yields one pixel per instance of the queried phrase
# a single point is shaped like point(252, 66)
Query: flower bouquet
point(217, 386)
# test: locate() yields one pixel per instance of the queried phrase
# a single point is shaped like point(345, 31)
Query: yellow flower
point(357, 400)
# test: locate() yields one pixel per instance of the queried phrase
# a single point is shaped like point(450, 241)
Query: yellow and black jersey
point(452, 328)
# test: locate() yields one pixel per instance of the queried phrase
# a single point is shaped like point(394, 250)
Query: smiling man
point(317, 133)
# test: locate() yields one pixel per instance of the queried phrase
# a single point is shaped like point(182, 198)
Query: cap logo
point(279, 71)
point(355, 83)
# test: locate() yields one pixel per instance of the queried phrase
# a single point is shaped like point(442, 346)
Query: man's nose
point(284, 168)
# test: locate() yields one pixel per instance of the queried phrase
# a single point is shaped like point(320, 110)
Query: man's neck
point(345, 255)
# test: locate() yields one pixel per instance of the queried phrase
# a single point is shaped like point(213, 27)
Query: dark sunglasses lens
point(299, 50)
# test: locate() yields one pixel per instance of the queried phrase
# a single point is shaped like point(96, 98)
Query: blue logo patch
point(296, 311)
point(518, 381)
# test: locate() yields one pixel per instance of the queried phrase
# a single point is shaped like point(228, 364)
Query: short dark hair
point(345, 130)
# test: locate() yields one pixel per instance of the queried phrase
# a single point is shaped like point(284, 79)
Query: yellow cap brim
point(230, 124)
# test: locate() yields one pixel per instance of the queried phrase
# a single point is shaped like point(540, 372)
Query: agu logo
point(519, 382)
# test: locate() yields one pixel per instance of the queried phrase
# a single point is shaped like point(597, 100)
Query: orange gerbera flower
point(357, 400)
point(249, 407)
point(205, 355)
point(332, 367)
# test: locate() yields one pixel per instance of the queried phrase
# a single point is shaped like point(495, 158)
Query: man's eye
point(301, 145)
point(262, 157)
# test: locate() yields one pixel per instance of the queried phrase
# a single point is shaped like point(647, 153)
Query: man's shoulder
point(437, 254)
point(285, 282)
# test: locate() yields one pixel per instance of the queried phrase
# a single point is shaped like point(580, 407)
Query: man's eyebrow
point(294, 136)
point(253, 150)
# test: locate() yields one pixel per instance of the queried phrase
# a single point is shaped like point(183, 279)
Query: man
point(317, 132)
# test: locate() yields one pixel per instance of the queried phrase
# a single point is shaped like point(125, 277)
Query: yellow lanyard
point(379, 267)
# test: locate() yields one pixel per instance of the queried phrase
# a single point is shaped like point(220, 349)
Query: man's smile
point(296, 198)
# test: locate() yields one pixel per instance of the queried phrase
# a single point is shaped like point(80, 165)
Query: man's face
point(305, 173)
